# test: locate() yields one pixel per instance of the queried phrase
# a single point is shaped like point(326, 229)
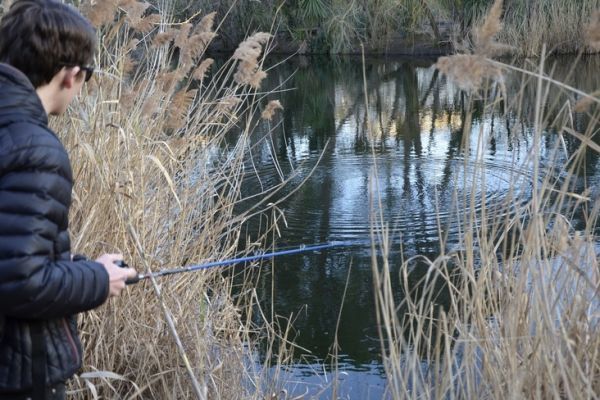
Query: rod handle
point(130, 281)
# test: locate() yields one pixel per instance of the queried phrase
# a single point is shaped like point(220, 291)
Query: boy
point(46, 49)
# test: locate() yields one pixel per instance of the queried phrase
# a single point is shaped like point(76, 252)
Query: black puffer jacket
point(39, 284)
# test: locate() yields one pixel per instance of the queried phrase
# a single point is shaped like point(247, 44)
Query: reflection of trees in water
point(318, 280)
point(416, 116)
point(559, 146)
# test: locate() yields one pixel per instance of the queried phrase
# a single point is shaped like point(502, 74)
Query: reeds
point(556, 24)
point(592, 32)
point(473, 70)
point(156, 181)
point(523, 281)
point(341, 27)
point(523, 315)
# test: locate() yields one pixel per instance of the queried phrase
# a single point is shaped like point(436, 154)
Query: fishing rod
point(256, 257)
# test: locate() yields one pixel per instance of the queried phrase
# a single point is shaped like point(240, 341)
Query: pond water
point(410, 131)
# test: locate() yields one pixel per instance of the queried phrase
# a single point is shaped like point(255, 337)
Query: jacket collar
point(18, 98)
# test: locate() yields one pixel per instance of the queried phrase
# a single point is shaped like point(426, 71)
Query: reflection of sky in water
point(312, 381)
point(423, 184)
point(418, 171)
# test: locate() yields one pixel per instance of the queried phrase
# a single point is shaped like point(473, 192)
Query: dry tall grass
point(156, 180)
point(555, 23)
point(523, 319)
point(150, 182)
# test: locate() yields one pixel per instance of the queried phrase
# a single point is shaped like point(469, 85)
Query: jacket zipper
point(74, 350)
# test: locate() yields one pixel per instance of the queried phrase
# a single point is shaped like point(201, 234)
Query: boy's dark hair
point(39, 37)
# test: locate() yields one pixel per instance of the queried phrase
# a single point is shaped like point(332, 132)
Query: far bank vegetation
point(398, 26)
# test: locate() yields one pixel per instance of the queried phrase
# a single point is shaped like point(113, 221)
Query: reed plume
point(469, 71)
point(179, 108)
point(249, 71)
point(200, 71)
point(102, 12)
point(199, 42)
point(182, 36)
point(206, 23)
point(163, 38)
point(134, 11)
point(227, 104)
point(592, 32)
point(146, 24)
point(485, 34)
point(472, 71)
point(270, 109)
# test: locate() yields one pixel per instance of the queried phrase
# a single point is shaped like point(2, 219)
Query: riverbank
point(422, 44)
point(426, 44)
point(387, 27)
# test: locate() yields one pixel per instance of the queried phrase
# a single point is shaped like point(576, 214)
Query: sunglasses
point(89, 70)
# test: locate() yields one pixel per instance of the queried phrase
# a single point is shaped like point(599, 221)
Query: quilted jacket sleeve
point(37, 281)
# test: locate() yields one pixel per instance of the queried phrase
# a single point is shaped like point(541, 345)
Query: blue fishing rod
point(256, 257)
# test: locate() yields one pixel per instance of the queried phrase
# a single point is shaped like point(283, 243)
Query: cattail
point(249, 72)
point(201, 70)
point(592, 32)
point(270, 109)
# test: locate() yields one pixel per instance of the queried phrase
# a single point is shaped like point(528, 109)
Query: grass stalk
point(521, 318)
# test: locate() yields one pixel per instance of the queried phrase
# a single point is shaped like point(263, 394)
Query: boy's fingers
point(131, 273)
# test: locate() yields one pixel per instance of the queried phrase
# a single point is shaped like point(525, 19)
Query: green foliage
point(313, 11)
point(345, 26)
point(238, 18)
point(464, 12)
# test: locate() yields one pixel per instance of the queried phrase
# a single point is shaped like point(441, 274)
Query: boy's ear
point(69, 77)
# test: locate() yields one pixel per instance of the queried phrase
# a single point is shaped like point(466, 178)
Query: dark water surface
point(416, 144)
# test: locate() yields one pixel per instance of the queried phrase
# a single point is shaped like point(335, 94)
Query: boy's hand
point(117, 275)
